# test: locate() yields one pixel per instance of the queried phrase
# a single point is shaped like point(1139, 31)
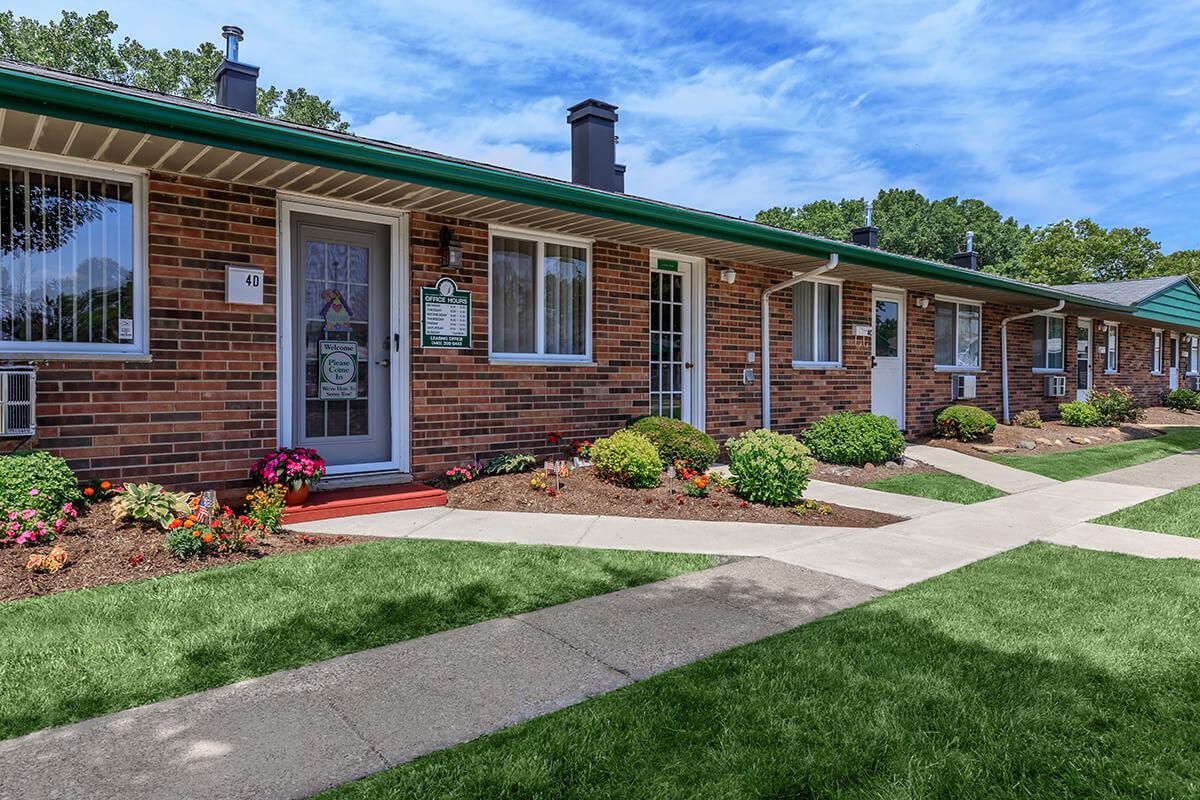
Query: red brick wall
point(203, 408)
point(464, 407)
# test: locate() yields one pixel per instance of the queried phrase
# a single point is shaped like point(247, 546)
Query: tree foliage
point(1064, 252)
point(86, 45)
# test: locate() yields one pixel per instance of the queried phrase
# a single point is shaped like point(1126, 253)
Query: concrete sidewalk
point(1146, 544)
point(1172, 472)
point(900, 505)
point(291, 734)
point(1002, 477)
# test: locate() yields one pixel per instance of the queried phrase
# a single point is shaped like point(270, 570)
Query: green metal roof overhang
point(107, 105)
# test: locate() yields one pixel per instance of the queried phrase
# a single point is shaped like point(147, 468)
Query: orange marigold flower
point(105, 485)
point(206, 538)
point(89, 491)
point(187, 523)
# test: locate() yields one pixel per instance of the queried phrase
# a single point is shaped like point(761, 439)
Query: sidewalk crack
point(575, 648)
point(350, 726)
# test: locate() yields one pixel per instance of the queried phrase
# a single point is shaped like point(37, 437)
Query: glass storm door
point(1174, 362)
point(1083, 359)
point(887, 362)
point(670, 344)
point(343, 340)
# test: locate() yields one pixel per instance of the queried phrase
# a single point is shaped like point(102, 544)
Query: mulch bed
point(584, 493)
point(859, 476)
point(1052, 437)
point(101, 552)
point(1169, 416)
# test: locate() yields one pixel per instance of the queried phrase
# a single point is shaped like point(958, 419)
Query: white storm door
point(1174, 362)
point(671, 359)
point(1083, 360)
point(887, 362)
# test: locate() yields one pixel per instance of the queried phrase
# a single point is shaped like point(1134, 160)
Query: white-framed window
point(1048, 343)
point(539, 297)
point(1156, 356)
point(957, 334)
point(1111, 347)
point(1194, 355)
point(817, 324)
point(73, 276)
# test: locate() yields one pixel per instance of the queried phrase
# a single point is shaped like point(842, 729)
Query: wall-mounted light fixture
point(922, 302)
point(452, 249)
point(728, 275)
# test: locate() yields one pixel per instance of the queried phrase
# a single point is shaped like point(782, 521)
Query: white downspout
point(766, 330)
point(1004, 348)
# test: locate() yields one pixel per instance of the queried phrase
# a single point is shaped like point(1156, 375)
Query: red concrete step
point(364, 500)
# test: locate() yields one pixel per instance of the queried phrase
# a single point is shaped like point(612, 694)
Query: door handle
point(687, 365)
point(383, 363)
point(874, 361)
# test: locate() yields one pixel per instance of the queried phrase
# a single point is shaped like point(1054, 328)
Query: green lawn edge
point(83, 653)
point(1177, 513)
point(1044, 672)
point(947, 487)
point(1105, 458)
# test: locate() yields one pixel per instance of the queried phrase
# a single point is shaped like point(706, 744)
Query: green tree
point(1181, 262)
point(1084, 252)
point(85, 45)
point(912, 225)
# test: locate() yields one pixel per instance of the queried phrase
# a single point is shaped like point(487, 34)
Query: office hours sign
point(445, 315)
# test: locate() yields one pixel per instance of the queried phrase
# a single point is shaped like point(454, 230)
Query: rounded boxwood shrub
point(675, 440)
point(36, 479)
point(1118, 405)
point(1079, 414)
point(847, 438)
point(628, 458)
point(769, 467)
point(1183, 400)
point(965, 423)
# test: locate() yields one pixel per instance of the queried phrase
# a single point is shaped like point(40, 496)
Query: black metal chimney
point(968, 259)
point(237, 83)
point(594, 146)
point(868, 234)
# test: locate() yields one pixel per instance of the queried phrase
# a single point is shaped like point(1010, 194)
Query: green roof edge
point(41, 94)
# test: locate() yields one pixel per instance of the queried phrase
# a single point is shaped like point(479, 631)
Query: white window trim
point(541, 357)
point(1110, 350)
point(1054, 370)
point(836, 364)
point(956, 367)
point(1156, 353)
point(139, 348)
point(1193, 367)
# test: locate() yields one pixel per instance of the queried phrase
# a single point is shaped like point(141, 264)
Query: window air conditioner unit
point(18, 398)
point(1196, 383)
point(1056, 386)
point(964, 387)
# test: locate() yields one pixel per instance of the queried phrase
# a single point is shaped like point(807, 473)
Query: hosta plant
point(509, 463)
point(149, 502)
point(769, 467)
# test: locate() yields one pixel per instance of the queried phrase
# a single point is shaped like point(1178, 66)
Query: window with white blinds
point(540, 298)
point(71, 261)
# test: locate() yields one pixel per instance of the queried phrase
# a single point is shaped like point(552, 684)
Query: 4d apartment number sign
point(338, 370)
point(243, 285)
point(445, 315)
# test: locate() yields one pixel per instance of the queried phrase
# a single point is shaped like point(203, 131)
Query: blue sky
point(1044, 110)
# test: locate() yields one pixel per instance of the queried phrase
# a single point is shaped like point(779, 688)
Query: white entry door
point(1083, 360)
point(887, 360)
point(672, 363)
point(1173, 369)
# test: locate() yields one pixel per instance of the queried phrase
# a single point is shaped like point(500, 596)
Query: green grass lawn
point(78, 654)
point(1105, 458)
point(1177, 513)
point(1041, 673)
point(938, 486)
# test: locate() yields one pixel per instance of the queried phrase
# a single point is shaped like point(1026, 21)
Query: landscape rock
point(1025, 444)
point(910, 463)
point(1058, 442)
point(1079, 439)
point(992, 448)
point(1043, 440)
point(868, 466)
point(891, 465)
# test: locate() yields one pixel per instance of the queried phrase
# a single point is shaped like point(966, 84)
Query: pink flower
point(34, 492)
point(12, 515)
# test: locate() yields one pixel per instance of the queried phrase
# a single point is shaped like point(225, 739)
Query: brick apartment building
point(196, 284)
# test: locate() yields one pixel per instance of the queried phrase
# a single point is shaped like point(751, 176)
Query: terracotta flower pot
point(294, 497)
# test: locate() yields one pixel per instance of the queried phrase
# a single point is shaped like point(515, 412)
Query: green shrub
point(857, 439)
point(509, 463)
point(149, 502)
point(1116, 406)
point(965, 423)
point(628, 458)
point(1079, 414)
point(677, 441)
point(769, 467)
point(1183, 400)
point(1029, 418)
point(35, 479)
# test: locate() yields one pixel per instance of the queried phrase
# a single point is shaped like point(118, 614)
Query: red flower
point(744, 504)
point(89, 491)
point(553, 438)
